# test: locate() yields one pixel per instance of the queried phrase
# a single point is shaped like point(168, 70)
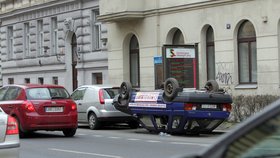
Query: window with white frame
point(26, 36)
point(40, 38)
point(54, 37)
point(96, 31)
point(10, 42)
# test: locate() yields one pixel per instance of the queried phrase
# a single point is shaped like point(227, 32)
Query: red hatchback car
point(40, 107)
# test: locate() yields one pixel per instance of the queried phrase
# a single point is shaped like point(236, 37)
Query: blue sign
point(158, 60)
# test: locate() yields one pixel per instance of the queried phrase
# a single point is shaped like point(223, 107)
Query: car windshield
point(110, 93)
point(46, 93)
point(262, 142)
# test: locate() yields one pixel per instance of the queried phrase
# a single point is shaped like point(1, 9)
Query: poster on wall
point(181, 62)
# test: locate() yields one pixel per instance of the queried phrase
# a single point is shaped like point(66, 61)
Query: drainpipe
point(158, 28)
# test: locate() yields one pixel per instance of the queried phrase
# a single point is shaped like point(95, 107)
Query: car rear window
point(110, 93)
point(46, 93)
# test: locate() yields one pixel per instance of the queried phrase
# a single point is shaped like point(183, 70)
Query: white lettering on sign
point(147, 105)
point(146, 97)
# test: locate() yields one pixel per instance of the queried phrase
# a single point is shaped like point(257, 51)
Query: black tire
point(211, 86)
point(133, 124)
point(171, 88)
point(93, 121)
point(69, 132)
point(22, 133)
point(125, 90)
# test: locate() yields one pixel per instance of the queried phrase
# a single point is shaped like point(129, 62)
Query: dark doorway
point(74, 62)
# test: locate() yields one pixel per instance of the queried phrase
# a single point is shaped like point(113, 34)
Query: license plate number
point(208, 106)
point(54, 109)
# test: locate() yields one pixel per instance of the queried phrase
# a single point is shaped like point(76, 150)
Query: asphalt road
point(112, 142)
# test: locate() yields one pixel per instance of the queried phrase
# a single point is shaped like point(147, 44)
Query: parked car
point(256, 137)
point(40, 107)
point(175, 110)
point(9, 136)
point(95, 107)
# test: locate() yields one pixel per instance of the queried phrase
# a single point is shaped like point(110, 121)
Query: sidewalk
point(225, 126)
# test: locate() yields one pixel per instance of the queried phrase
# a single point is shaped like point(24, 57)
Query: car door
point(78, 97)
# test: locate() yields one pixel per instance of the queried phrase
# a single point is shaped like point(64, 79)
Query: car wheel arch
point(92, 110)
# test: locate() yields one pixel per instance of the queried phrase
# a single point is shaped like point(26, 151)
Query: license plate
point(54, 109)
point(208, 106)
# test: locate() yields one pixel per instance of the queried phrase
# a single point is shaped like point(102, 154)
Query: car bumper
point(49, 122)
point(10, 148)
point(108, 114)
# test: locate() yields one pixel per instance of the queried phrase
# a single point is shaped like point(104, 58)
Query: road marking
point(99, 136)
point(114, 137)
point(182, 143)
point(152, 141)
point(85, 153)
point(81, 134)
point(133, 139)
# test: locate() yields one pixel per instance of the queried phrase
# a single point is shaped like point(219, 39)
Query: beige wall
point(192, 17)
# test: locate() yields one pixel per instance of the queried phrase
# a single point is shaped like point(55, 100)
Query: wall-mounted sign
point(181, 62)
point(180, 53)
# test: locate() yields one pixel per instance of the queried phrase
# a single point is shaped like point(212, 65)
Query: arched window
point(247, 53)
point(210, 54)
point(178, 38)
point(134, 62)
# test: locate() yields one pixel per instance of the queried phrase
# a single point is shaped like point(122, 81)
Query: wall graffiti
point(223, 74)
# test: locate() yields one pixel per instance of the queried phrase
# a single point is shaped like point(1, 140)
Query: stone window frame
point(95, 30)
point(26, 39)
point(10, 42)
point(54, 35)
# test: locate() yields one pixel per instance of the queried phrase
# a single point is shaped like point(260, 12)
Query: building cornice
point(39, 7)
point(127, 15)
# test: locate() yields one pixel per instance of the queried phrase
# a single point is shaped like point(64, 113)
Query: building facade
point(237, 41)
point(53, 42)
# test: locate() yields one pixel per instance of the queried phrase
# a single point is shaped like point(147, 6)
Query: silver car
point(94, 104)
point(9, 136)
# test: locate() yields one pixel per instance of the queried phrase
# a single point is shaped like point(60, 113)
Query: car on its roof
point(9, 136)
point(40, 107)
point(175, 110)
point(94, 104)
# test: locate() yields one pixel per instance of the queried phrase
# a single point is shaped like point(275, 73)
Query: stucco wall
point(154, 28)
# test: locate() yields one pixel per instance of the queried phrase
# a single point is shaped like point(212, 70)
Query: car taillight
point(189, 106)
point(12, 126)
point(101, 97)
point(28, 106)
point(73, 107)
point(227, 107)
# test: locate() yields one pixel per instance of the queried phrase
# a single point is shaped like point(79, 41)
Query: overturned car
point(175, 110)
